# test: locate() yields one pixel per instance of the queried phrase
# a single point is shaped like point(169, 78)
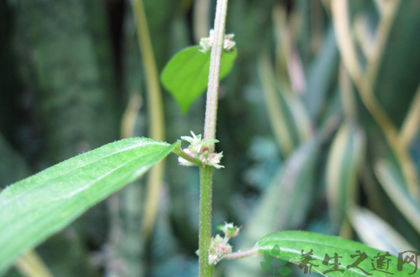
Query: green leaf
point(321, 75)
point(344, 163)
point(275, 251)
point(281, 262)
point(265, 265)
point(288, 117)
point(375, 232)
point(41, 205)
point(267, 257)
point(186, 74)
point(399, 59)
point(395, 187)
point(284, 271)
point(293, 242)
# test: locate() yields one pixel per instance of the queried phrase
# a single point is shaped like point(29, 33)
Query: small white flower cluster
point(219, 246)
point(207, 43)
point(198, 150)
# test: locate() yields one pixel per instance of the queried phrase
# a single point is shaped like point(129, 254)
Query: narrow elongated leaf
point(375, 232)
point(37, 207)
point(288, 118)
point(399, 58)
point(344, 162)
point(395, 187)
point(321, 75)
point(186, 74)
point(293, 244)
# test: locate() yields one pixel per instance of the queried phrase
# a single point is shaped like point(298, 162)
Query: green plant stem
point(213, 85)
point(206, 191)
point(206, 173)
point(155, 114)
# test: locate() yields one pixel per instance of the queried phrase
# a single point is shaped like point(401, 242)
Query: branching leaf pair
point(269, 256)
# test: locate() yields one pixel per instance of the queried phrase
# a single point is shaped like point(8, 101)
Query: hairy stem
point(206, 191)
point(206, 173)
point(213, 85)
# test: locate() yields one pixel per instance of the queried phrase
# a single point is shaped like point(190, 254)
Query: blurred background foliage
point(318, 121)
